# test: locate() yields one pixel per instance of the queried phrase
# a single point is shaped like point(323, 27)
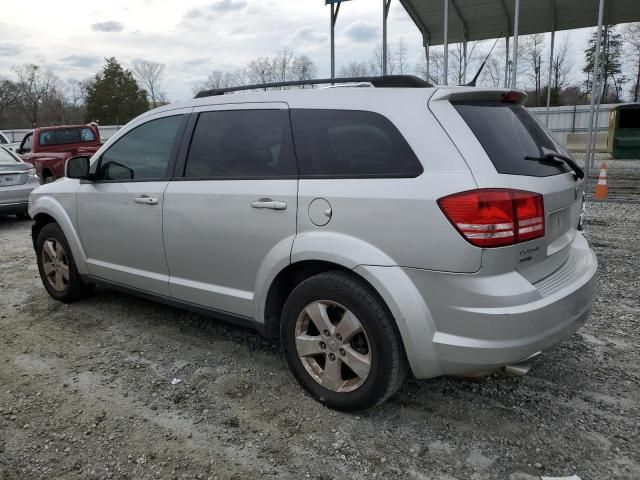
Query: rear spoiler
point(470, 94)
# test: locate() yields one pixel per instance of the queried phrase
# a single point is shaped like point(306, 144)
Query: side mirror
point(77, 167)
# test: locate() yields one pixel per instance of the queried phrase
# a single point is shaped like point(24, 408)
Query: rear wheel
point(48, 179)
point(341, 343)
point(57, 267)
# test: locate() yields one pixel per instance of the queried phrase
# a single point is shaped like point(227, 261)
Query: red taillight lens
point(495, 217)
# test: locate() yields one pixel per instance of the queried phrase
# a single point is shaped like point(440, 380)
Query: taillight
point(495, 217)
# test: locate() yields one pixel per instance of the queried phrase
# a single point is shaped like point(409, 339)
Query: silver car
point(17, 180)
point(374, 231)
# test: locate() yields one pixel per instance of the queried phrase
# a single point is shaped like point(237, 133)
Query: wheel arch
point(45, 210)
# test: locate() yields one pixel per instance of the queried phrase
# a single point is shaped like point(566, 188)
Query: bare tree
point(149, 75)
point(8, 94)
point(401, 57)
point(34, 87)
point(303, 68)
point(561, 66)
point(281, 65)
point(631, 37)
point(436, 67)
point(260, 70)
point(532, 58)
point(459, 63)
point(355, 69)
point(376, 62)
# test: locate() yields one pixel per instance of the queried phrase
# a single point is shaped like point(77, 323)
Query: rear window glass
point(508, 133)
point(6, 157)
point(629, 118)
point(351, 144)
point(242, 144)
point(66, 135)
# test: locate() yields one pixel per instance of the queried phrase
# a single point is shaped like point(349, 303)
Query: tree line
point(31, 96)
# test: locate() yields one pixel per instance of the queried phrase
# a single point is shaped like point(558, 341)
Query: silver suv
point(372, 230)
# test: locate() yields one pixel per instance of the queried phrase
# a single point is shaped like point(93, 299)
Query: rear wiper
point(557, 158)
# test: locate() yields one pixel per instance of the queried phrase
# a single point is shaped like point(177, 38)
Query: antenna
point(472, 83)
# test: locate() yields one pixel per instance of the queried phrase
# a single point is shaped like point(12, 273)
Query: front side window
point(351, 144)
point(26, 143)
point(241, 144)
point(3, 139)
point(143, 153)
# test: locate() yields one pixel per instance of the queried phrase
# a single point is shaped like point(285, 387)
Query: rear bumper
point(12, 208)
point(473, 323)
point(488, 322)
point(15, 199)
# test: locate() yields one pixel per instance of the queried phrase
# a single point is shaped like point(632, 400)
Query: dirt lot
point(86, 392)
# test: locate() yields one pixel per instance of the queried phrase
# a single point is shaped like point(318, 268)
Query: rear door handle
point(146, 200)
point(269, 203)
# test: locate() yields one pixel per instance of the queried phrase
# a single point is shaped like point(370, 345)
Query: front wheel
point(57, 267)
point(341, 342)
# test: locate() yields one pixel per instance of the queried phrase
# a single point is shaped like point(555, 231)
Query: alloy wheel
point(333, 346)
point(55, 264)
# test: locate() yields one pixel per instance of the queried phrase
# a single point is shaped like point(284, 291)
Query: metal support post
point(334, 16)
point(446, 43)
point(385, 54)
point(553, 38)
point(595, 88)
point(516, 24)
point(506, 62)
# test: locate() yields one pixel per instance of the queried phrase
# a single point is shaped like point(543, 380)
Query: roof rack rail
point(395, 81)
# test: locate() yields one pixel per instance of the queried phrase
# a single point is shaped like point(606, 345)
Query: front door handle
point(146, 200)
point(269, 203)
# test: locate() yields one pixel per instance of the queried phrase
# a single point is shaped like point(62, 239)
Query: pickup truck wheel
point(341, 343)
point(57, 267)
point(48, 179)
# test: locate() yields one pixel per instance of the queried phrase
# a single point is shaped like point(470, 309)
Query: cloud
point(81, 60)
point(309, 35)
point(223, 6)
point(9, 49)
point(110, 26)
point(361, 31)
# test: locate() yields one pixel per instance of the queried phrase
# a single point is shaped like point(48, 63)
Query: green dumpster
point(623, 140)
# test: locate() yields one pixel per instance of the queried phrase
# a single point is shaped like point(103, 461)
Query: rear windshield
point(67, 135)
point(6, 157)
point(508, 133)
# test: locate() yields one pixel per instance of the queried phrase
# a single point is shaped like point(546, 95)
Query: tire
point(67, 289)
point(48, 179)
point(308, 351)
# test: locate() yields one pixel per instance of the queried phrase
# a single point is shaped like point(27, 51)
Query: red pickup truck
point(48, 148)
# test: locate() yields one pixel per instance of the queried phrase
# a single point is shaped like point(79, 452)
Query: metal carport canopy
point(484, 19)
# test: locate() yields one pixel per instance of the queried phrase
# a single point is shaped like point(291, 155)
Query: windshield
point(509, 133)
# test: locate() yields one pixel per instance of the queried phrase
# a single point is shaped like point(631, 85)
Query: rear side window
point(351, 144)
point(508, 133)
point(66, 135)
point(242, 144)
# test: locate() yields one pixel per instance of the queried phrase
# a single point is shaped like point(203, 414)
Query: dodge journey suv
point(374, 229)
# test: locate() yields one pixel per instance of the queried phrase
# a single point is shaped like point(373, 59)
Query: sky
point(193, 37)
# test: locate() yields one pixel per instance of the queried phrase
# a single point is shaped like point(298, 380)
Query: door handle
point(269, 203)
point(146, 200)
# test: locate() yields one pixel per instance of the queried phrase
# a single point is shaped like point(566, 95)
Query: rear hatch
point(495, 134)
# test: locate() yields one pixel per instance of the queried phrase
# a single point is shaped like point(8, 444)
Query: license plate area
point(561, 228)
point(10, 179)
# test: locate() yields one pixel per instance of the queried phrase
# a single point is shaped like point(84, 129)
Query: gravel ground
point(86, 392)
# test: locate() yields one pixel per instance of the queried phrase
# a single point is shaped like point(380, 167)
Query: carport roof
point(484, 19)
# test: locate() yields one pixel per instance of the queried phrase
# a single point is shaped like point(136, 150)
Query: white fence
point(562, 121)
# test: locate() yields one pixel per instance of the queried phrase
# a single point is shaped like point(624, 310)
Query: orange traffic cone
point(601, 188)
